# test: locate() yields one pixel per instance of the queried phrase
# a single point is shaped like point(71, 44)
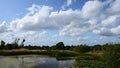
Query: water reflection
point(34, 62)
point(50, 63)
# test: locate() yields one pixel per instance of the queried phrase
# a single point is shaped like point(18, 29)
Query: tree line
point(58, 46)
point(111, 52)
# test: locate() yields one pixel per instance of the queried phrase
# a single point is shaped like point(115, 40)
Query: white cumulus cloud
point(35, 20)
point(102, 18)
point(3, 27)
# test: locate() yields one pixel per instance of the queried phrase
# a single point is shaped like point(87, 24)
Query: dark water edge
point(34, 61)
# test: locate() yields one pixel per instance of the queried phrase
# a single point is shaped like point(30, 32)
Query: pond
point(33, 61)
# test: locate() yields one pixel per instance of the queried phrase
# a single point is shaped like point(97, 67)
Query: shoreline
point(58, 54)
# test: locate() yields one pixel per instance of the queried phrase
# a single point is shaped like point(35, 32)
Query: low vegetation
point(89, 64)
point(97, 56)
point(109, 58)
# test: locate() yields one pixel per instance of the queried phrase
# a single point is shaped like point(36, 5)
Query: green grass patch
point(89, 61)
point(89, 64)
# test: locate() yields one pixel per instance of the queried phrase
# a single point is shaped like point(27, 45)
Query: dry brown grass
point(20, 50)
point(99, 53)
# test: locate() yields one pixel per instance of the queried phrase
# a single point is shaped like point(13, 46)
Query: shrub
point(82, 48)
point(112, 55)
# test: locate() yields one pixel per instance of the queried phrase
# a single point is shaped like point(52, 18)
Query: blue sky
point(46, 22)
point(17, 9)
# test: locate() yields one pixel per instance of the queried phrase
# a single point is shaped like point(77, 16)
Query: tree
point(60, 46)
point(67, 47)
point(15, 43)
point(2, 44)
point(22, 43)
point(97, 48)
point(82, 48)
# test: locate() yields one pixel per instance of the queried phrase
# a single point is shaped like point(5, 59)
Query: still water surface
point(33, 61)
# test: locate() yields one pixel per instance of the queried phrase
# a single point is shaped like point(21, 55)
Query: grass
point(89, 64)
point(90, 60)
point(59, 54)
point(54, 53)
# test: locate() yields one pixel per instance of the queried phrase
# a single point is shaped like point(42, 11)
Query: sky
point(47, 22)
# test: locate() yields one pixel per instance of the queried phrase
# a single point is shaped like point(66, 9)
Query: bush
point(92, 57)
point(112, 55)
point(82, 48)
